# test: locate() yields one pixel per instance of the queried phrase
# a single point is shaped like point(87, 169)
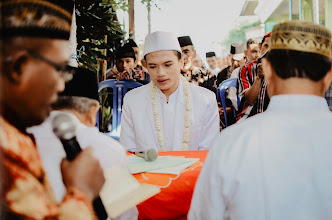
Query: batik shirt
point(201, 77)
point(138, 75)
point(328, 96)
point(26, 191)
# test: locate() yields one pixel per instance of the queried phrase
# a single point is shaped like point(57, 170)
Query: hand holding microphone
point(81, 170)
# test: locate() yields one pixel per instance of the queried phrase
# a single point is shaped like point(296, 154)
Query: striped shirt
point(247, 76)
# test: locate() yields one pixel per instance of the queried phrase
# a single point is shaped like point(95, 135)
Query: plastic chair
point(120, 88)
point(221, 94)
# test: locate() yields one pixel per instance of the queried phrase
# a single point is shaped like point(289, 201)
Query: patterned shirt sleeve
point(25, 188)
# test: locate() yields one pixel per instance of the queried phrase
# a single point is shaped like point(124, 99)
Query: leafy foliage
point(94, 20)
point(237, 35)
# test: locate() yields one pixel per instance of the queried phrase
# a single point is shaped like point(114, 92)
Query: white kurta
point(106, 149)
point(138, 131)
point(275, 165)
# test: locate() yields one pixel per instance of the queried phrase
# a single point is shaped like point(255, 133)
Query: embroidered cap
point(302, 36)
point(36, 18)
point(161, 40)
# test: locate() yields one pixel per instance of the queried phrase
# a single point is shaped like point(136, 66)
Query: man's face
point(125, 64)
point(164, 68)
point(198, 63)
point(253, 52)
point(212, 62)
point(266, 45)
point(38, 84)
point(188, 54)
point(237, 60)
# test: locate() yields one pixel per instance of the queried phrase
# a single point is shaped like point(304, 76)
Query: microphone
point(149, 155)
point(64, 128)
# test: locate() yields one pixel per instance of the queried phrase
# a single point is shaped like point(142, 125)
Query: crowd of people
point(274, 165)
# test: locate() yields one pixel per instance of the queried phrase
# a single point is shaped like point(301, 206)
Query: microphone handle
point(72, 149)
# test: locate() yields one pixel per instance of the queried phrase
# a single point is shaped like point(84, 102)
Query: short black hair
point(177, 53)
point(252, 41)
point(290, 63)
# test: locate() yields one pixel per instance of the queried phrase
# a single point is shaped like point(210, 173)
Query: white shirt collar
point(297, 103)
point(172, 98)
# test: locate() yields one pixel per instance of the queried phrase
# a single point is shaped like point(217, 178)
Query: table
point(173, 201)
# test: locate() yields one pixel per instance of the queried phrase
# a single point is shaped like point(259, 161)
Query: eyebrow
point(186, 50)
point(169, 61)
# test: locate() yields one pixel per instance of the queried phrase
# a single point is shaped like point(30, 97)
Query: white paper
point(122, 191)
point(140, 165)
point(176, 170)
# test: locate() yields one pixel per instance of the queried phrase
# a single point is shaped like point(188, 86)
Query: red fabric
point(172, 202)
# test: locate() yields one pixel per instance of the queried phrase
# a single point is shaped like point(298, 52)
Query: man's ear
point(245, 53)
point(327, 80)
point(267, 71)
point(92, 115)
point(14, 65)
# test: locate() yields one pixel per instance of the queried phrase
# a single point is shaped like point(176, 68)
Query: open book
point(122, 191)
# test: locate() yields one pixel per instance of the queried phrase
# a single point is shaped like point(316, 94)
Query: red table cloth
point(173, 201)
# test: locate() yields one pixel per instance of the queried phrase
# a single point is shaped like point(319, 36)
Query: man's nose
point(60, 84)
point(161, 71)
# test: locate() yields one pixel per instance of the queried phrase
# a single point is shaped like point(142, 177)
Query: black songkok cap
point(237, 48)
point(83, 84)
point(210, 54)
point(185, 41)
point(125, 51)
point(36, 18)
point(132, 43)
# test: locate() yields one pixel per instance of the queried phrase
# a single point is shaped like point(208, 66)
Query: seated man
point(80, 101)
point(34, 43)
point(276, 165)
point(194, 74)
point(126, 66)
point(133, 44)
point(211, 59)
point(169, 113)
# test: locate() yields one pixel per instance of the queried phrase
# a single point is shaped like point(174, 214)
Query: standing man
point(211, 59)
point(33, 58)
point(252, 86)
point(194, 74)
point(276, 165)
point(169, 113)
point(237, 60)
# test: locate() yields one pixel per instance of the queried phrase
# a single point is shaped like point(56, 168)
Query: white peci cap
point(161, 40)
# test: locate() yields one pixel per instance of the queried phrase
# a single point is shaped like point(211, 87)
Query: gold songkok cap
point(36, 18)
point(302, 36)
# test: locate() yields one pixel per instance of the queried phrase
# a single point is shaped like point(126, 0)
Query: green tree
point(95, 20)
point(237, 35)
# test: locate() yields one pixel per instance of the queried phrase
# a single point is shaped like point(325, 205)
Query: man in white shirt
point(277, 165)
point(169, 113)
point(80, 101)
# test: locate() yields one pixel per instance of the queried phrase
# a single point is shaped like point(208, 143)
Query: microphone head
point(151, 155)
point(63, 126)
